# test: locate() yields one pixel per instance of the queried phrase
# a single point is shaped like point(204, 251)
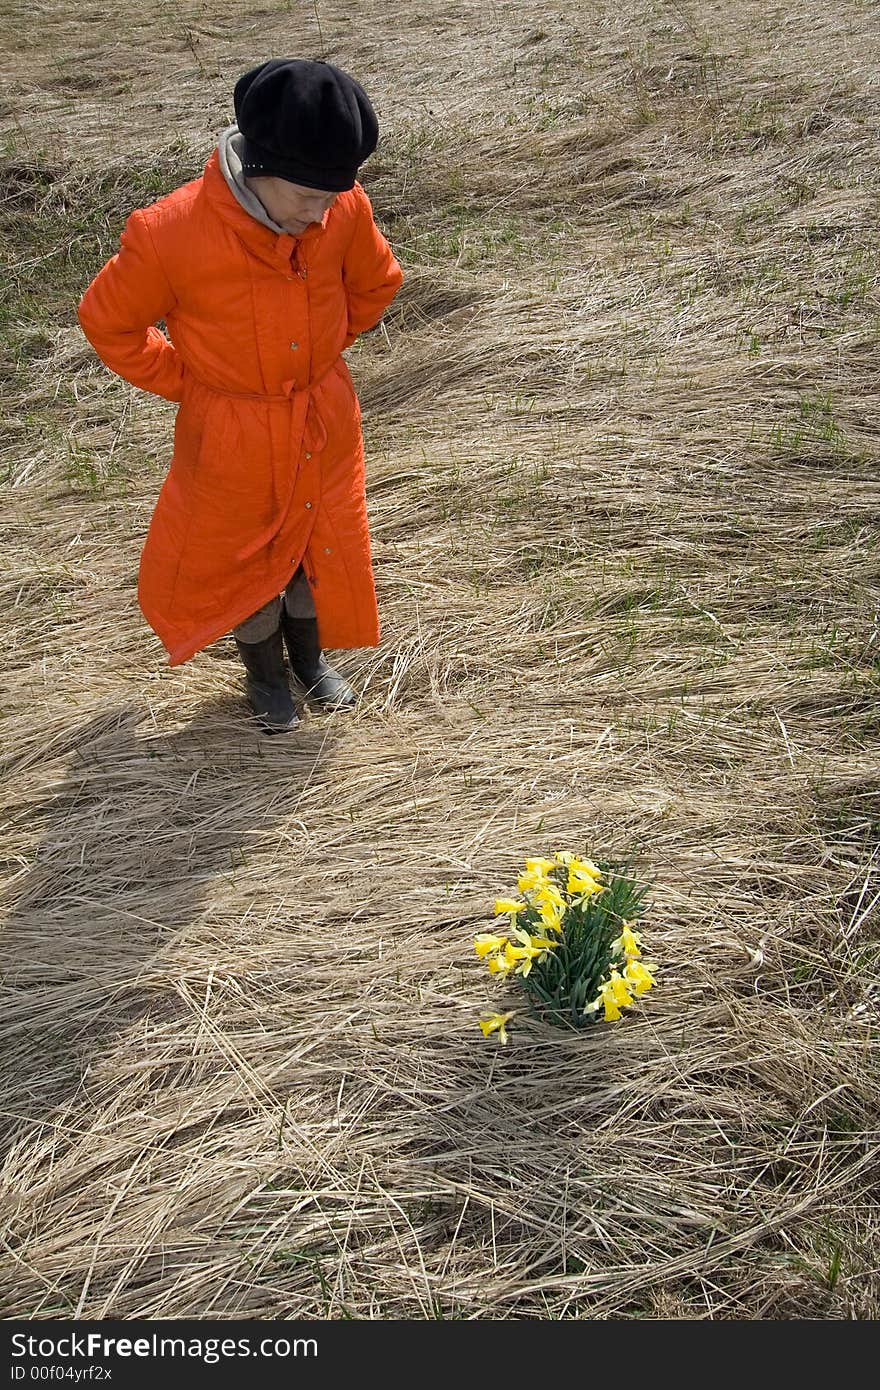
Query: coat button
point(308, 456)
point(326, 550)
point(308, 505)
point(293, 347)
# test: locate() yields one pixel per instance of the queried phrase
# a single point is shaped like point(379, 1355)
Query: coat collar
point(276, 248)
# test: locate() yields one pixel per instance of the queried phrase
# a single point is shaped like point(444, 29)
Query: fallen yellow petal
point(495, 1023)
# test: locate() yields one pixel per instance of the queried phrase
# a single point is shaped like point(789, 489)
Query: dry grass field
point(622, 436)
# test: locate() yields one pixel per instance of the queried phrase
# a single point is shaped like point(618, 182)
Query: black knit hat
point(305, 121)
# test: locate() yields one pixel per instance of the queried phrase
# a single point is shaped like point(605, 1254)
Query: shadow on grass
point(124, 831)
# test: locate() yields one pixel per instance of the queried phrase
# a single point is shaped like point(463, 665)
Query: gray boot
point(321, 683)
point(268, 690)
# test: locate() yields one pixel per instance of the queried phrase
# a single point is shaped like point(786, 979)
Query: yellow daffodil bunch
point(570, 943)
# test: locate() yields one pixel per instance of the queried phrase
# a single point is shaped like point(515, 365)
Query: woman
point(264, 271)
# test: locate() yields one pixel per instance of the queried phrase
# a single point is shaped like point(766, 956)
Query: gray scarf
point(229, 148)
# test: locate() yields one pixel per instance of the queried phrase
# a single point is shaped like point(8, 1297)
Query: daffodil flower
point(531, 880)
point(535, 875)
point(616, 986)
point(551, 916)
point(532, 948)
point(508, 905)
point(614, 995)
point(638, 976)
point(485, 944)
point(550, 906)
point(537, 944)
point(628, 942)
point(501, 964)
point(547, 893)
point(579, 870)
point(582, 883)
point(541, 866)
point(496, 1023)
point(585, 866)
point(515, 953)
point(612, 1012)
point(548, 900)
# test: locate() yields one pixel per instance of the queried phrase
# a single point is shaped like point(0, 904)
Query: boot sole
point(329, 703)
point(328, 706)
point(269, 728)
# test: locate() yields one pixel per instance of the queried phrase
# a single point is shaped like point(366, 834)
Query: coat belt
point(305, 416)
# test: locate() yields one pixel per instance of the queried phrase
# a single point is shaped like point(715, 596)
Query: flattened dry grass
point(621, 427)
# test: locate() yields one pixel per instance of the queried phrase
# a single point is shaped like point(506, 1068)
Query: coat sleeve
point(120, 308)
point(370, 273)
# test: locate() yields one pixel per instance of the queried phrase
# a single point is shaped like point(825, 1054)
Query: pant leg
point(261, 624)
point(297, 600)
point(298, 597)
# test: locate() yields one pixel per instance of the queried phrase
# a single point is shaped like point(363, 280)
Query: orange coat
point(267, 471)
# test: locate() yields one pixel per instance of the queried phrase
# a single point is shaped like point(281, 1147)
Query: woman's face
point(291, 205)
